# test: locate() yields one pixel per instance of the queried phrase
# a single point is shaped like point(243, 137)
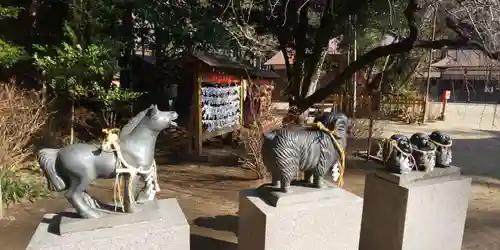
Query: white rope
point(394, 145)
point(111, 144)
point(413, 162)
point(441, 145)
point(341, 161)
point(424, 151)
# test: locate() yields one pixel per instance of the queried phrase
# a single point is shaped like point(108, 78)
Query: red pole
point(444, 97)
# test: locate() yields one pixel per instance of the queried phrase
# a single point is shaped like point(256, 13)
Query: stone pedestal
point(308, 218)
point(160, 225)
point(415, 211)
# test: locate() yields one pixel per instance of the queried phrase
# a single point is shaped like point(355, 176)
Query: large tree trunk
point(314, 83)
point(301, 117)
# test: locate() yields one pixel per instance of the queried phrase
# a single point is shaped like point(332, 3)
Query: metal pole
point(354, 81)
point(347, 101)
point(426, 107)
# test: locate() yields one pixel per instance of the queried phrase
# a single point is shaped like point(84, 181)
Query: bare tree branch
point(468, 36)
point(404, 46)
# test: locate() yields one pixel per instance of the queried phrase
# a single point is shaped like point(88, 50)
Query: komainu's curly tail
point(47, 159)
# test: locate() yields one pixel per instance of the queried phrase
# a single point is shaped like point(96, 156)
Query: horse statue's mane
point(132, 123)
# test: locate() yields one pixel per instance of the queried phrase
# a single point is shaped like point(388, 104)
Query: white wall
point(480, 116)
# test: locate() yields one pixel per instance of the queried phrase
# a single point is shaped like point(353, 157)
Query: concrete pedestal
point(308, 218)
point(161, 225)
point(415, 211)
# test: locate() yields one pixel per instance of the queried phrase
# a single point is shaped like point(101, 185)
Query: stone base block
point(421, 212)
point(161, 225)
point(307, 218)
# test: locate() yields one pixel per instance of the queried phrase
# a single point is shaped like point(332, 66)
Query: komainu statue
point(313, 149)
point(423, 151)
point(397, 154)
point(74, 167)
point(443, 143)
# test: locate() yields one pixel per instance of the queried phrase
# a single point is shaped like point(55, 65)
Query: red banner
point(217, 78)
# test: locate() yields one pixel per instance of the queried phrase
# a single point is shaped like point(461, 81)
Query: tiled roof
point(466, 59)
point(279, 59)
point(222, 62)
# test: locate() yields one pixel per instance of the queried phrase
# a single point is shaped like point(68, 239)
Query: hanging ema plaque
point(220, 102)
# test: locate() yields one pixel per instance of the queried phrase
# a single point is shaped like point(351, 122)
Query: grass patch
point(18, 185)
point(22, 118)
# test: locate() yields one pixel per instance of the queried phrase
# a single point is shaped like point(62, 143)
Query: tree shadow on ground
point(482, 229)
point(477, 153)
point(227, 183)
point(212, 156)
point(203, 177)
point(486, 182)
point(199, 242)
point(219, 223)
point(360, 162)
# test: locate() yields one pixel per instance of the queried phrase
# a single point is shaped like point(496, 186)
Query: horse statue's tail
point(47, 159)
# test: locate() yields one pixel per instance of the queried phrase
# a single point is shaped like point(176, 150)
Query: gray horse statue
point(74, 167)
point(287, 151)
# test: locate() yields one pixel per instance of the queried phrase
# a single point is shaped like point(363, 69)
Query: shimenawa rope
point(111, 144)
point(441, 145)
point(332, 134)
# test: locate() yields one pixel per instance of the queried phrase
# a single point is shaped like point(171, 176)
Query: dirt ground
point(208, 194)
